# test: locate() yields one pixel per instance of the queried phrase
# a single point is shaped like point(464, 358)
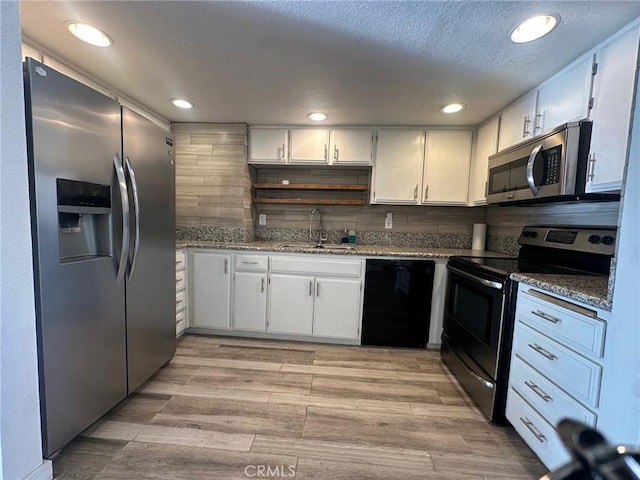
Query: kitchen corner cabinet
point(611, 112)
point(486, 145)
point(309, 145)
point(249, 299)
point(351, 147)
point(446, 167)
point(398, 167)
point(268, 145)
point(209, 290)
point(516, 121)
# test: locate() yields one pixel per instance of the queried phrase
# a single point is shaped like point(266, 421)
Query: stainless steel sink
point(324, 246)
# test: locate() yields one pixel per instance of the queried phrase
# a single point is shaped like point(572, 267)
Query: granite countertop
point(592, 290)
point(362, 250)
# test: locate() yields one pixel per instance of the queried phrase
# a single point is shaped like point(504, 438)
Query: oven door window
point(473, 320)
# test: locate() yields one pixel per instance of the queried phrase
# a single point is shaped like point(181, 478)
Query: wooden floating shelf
point(310, 186)
point(310, 201)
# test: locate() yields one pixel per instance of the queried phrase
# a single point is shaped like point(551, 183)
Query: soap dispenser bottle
point(345, 236)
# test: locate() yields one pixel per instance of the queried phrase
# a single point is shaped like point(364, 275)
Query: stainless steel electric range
point(480, 302)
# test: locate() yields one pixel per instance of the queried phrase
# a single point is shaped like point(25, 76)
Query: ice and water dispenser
point(84, 220)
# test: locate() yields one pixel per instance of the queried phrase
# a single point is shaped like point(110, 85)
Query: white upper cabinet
point(611, 112)
point(446, 167)
point(309, 145)
point(487, 145)
point(565, 96)
point(268, 145)
point(516, 124)
point(397, 173)
point(351, 147)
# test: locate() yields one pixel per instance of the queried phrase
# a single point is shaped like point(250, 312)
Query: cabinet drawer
point(180, 281)
point(180, 301)
point(181, 322)
point(535, 431)
point(180, 256)
point(569, 370)
point(582, 332)
point(307, 265)
point(251, 262)
point(545, 396)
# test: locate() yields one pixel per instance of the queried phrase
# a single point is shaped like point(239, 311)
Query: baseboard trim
point(44, 471)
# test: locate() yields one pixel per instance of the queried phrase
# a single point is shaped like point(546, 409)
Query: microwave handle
point(530, 164)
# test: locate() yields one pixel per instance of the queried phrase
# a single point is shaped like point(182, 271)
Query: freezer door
point(73, 136)
point(150, 284)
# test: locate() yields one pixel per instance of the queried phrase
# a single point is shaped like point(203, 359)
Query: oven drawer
point(569, 370)
point(582, 332)
point(535, 431)
point(546, 397)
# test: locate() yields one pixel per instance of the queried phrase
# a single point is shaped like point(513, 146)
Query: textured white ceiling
point(362, 62)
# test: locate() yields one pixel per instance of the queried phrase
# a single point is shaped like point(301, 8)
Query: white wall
point(20, 442)
point(619, 416)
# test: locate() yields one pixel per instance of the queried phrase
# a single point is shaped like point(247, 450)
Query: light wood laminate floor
point(228, 408)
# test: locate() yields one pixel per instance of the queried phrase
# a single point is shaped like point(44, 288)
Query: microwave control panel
point(552, 162)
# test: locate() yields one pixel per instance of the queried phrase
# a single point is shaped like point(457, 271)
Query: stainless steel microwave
point(550, 166)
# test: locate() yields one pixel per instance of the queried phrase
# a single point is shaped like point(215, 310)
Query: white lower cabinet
point(336, 307)
point(556, 369)
point(322, 298)
point(250, 301)
point(209, 290)
point(290, 304)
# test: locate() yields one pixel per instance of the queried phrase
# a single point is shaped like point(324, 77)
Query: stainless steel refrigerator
point(103, 230)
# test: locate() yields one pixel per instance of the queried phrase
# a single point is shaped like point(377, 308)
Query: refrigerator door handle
point(124, 197)
point(136, 214)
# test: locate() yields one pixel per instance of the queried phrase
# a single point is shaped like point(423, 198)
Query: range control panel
point(591, 239)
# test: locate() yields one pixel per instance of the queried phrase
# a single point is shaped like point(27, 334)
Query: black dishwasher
point(397, 303)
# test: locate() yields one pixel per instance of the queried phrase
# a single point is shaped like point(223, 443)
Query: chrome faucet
point(319, 238)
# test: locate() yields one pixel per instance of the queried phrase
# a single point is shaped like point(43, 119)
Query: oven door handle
point(486, 283)
point(530, 164)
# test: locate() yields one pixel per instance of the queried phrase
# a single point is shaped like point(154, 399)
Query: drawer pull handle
point(249, 263)
point(527, 423)
point(546, 316)
point(542, 351)
point(538, 391)
point(262, 285)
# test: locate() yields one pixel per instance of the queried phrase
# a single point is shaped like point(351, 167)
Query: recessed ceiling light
point(534, 28)
point(181, 103)
point(88, 34)
point(317, 116)
point(452, 107)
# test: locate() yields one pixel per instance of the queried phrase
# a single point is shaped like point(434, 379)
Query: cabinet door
point(446, 167)
point(611, 113)
point(351, 147)
point(337, 308)
point(250, 301)
point(268, 145)
point(398, 167)
point(209, 290)
point(290, 304)
point(309, 145)
point(487, 145)
point(516, 124)
point(565, 97)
